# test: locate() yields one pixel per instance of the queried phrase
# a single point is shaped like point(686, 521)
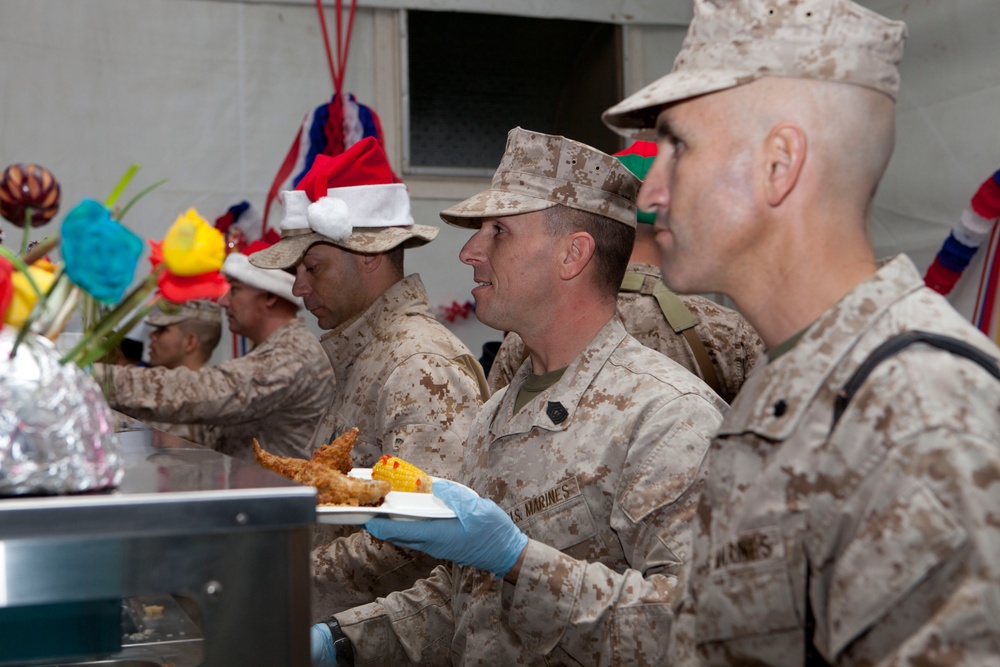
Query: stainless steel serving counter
point(227, 535)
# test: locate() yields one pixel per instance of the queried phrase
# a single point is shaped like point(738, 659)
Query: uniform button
point(780, 407)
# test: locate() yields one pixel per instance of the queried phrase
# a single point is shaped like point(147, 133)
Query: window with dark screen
point(470, 78)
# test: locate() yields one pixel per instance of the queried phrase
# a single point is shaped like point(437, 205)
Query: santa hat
point(354, 201)
point(275, 281)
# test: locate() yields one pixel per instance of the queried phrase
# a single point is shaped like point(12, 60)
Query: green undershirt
point(786, 346)
point(534, 385)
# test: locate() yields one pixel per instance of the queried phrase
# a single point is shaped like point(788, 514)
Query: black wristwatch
point(342, 646)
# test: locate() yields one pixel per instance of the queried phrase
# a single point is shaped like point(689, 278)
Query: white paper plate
point(397, 505)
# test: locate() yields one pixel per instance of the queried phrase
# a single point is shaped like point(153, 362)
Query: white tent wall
point(209, 94)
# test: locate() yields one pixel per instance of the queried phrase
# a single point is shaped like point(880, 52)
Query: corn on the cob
point(401, 475)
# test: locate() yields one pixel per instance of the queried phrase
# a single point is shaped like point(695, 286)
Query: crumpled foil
point(56, 430)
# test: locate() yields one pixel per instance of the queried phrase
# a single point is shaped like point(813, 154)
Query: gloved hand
point(321, 646)
point(481, 534)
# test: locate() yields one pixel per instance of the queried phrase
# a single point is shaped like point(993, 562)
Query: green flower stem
point(122, 184)
point(111, 342)
point(22, 267)
point(27, 230)
point(41, 249)
point(139, 196)
point(108, 322)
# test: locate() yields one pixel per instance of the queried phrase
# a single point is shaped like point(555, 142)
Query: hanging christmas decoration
point(456, 310)
point(976, 225)
point(332, 127)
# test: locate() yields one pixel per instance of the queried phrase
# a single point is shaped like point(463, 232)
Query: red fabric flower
point(178, 289)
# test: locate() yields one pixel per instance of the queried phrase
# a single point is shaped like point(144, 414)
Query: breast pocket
point(559, 516)
point(747, 590)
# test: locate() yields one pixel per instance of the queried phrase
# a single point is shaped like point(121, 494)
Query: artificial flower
point(193, 247)
point(29, 195)
point(6, 287)
point(178, 289)
point(24, 295)
point(100, 253)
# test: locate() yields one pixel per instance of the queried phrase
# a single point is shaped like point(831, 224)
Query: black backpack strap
point(895, 345)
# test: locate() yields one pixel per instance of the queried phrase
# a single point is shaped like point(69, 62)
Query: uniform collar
point(346, 342)
point(778, 394)
point(554, 409)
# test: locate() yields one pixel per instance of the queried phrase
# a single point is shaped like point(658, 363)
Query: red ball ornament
point(29, 186)
point(236, 240)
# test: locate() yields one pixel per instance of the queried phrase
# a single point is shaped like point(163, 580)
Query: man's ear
point(578, 250)
point(368, 263)
point(190, 343)
point(785, 154)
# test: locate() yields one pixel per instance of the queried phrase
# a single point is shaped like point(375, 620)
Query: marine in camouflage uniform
point(732, 345)
point(276, 393)
point(713, 342)
point(170, 348)
point(871, 539)
point(601, 469)
point(888, 515)
point(412, 389)
point(600, 472)
point(409, 385)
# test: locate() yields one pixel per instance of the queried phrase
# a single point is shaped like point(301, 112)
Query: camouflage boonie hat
point(538, 171)
point(733, 42)
point(168, 313)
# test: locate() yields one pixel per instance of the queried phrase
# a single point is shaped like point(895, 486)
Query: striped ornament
point(329, 129)
point(976, 225)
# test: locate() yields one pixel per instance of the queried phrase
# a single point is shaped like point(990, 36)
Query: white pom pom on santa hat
point(330, 217)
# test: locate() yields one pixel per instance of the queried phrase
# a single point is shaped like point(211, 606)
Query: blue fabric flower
point(100, 254)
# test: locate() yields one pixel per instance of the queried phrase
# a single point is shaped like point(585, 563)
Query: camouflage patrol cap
point(168, 313)
point(538, 171)
point(733, 42)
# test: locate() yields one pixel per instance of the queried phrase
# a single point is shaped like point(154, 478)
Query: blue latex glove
point(321, 646)
point(481, 534)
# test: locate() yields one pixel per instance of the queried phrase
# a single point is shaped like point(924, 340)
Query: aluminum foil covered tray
point(56, 430)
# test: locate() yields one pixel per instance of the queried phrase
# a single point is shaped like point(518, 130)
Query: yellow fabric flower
point(192, 246)
point(43, 273)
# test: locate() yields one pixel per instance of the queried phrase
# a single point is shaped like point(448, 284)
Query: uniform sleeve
point(411, 627)
point(509, 358)
point(918, 579)
point(598, 615)
point(357, 569)
point(233, 391)
point(426, 409)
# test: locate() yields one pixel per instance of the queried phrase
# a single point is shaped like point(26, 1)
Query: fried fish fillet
point(332, 486)
point(337, 454)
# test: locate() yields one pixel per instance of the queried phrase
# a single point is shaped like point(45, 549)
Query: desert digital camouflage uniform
point(276, 393)
point(412, 388)
point(603, 467)
point(894, 513)
point(731, 343)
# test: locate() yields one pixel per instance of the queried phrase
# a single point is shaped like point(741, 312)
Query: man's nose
point(471, 251)
point(654, 194)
